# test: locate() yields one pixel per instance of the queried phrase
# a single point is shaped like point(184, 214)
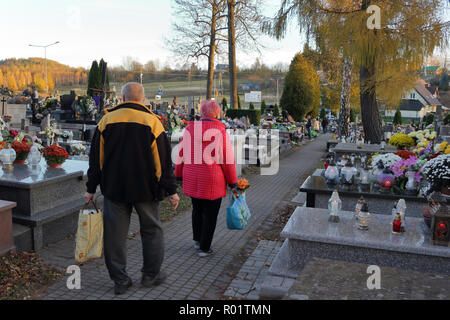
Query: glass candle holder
point(332, 173)
point(386, 180)
point(334, 206)
point(7, 157)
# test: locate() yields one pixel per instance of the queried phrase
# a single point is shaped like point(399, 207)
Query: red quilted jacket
point(205, 160)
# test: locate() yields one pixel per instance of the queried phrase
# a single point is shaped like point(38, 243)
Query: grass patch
point(23, 276)
point(185, 204)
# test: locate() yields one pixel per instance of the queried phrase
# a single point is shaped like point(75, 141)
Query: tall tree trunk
point(212, 55)
point(344, 113)
point(369, 106)
point(232, 53)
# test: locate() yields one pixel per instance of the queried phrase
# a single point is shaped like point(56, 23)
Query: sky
point(110, 29)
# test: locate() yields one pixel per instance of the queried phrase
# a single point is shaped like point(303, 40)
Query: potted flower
point(437, 173)
point(65, 135)
point(22, 149)
point(407, 175)
point(401, 141)
point(87, 108)
point(387, 159)
point(7, 120)
point(55, 156)
point(78, 148)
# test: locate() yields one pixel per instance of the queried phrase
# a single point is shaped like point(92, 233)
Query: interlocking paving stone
point(181, 260)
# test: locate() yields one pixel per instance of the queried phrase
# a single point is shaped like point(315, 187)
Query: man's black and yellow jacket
point(130, 156)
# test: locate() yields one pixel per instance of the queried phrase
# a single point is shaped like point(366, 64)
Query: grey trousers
point(116, 221)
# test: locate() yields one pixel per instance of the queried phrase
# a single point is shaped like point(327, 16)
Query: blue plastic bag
point(238, 213)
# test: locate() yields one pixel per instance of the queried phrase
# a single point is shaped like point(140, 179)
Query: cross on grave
point(3, 105)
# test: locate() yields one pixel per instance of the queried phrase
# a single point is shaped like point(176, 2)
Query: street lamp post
point(45, 59)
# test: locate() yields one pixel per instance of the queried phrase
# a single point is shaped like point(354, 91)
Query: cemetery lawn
point(166, 211)
point(23, 276)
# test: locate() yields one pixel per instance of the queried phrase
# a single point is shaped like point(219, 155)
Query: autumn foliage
point(20, 74)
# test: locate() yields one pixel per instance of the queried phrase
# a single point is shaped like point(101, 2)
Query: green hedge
point(253, 115)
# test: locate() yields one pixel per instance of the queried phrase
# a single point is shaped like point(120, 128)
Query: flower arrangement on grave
point(443, 148)
point(66, 135)
point(388, 160)
point(401, 140)
point(50, 103)
point(423, 135)
point(437, 174)
point(87, 107)
point(7, 119)
point(242, 187)
point(165, 123)
point(22, 148)
point(173, 121)
point(55, 155)
point(10, 135)
point(78, 148)
point(407, 173)
point(405, 154)
point(429, 153)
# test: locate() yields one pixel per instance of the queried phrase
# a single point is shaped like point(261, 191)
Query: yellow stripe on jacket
point(128, 115)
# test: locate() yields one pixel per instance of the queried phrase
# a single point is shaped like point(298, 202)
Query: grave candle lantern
point(386, 180)
point(7, 157)
point(364, 217)
point(348, 174)
point(34, 157)
point(332, 173)
point(359, 205)
point(365, 177)
point(334, 206)
point(397, 224)
point(440, 221)
point(360, 143)
point(401, 209)
point(411, 185)
point(377, 171)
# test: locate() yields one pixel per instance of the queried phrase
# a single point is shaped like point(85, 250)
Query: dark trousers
point(204, 221)
point(116, 220)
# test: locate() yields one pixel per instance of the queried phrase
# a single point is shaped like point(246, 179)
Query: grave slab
point(6, 233)
point(319, 192)
point(310, 235)
point(48, 200)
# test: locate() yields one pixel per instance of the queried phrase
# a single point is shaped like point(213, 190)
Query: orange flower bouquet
point(243, 185)
point(55, 155)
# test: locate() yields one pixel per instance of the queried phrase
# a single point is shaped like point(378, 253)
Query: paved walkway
point(190, 277)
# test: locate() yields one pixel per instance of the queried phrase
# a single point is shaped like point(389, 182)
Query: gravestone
point(6, 233)
point(17, 113)
point(165, 107)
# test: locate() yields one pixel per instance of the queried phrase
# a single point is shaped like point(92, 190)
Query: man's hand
point(174, 200)
point(89, 197)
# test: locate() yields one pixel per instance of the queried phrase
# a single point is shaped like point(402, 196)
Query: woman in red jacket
point(206, 165)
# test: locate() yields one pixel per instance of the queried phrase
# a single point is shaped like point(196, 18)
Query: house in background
point(418, 102)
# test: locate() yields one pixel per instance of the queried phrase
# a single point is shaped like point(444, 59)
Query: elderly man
point(130, 159)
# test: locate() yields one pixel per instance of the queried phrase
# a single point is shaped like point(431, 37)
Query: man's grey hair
point(133, 91)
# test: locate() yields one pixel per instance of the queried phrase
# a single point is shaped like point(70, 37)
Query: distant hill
point(20, 74)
